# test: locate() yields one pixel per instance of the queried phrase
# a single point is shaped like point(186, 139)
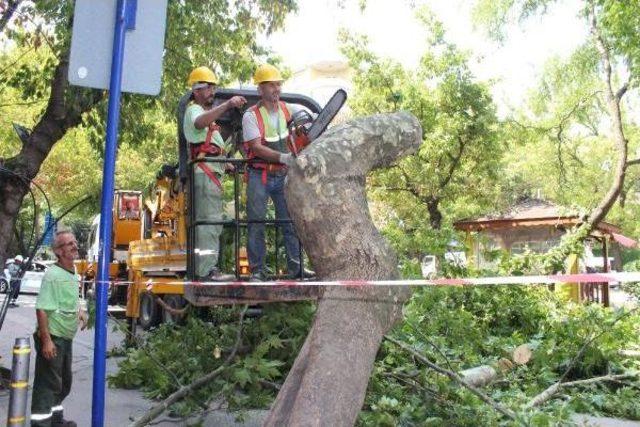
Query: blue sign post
point(125, 20)
point(100, 58)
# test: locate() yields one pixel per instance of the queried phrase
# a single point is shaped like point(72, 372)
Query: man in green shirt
point(203, 136)
point(58, 315)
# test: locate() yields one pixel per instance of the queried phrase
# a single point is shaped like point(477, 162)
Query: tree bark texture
point(64, 111)
point(327, 201)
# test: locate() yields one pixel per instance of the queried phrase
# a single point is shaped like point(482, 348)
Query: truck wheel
point(177, 302)
point(149, 311)
point(117, 294)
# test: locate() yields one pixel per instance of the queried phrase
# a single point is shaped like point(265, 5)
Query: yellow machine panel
point(159, 254)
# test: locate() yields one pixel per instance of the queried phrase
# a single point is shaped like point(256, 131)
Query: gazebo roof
point(535, 213)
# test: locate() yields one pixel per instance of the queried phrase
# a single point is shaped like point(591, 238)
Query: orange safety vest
point(266, 167)
point(208, 149)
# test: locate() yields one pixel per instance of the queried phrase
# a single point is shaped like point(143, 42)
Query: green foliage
point(557, 145)
point(453, 174)
point(492, 15)
point(457, 328)
point(267, 349)
point(619, 21)
point(545, 263)
point(562, 142)
point(460, 328)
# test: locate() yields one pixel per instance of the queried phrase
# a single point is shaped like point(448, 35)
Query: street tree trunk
point(64, 111)
point(326, 196)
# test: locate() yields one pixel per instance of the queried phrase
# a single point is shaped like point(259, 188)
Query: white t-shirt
point(250, 129)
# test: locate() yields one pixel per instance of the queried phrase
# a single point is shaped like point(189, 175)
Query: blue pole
point(124, 19)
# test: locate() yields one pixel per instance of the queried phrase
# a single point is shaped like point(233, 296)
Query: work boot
point(59, 421)
point(64, 423)
point(217, 276)
point(258, 276)
point(307, 274)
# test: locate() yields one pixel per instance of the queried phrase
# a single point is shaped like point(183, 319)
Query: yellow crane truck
point(156, 276)
point(127, 227)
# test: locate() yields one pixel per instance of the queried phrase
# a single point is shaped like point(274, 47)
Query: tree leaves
point(455, 168)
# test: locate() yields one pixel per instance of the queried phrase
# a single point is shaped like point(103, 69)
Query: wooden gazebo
point(536, 225)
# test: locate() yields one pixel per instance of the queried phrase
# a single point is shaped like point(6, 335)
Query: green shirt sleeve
point(193, 135)
point(46, 299)
point(193, 112)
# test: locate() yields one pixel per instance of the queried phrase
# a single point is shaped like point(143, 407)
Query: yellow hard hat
point(202, 74)
point(267, 73)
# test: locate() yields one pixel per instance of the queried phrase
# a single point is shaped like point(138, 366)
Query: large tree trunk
point(64, 110)
point(327, 197)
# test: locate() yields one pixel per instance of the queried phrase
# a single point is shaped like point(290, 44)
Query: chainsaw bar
point(327, 114)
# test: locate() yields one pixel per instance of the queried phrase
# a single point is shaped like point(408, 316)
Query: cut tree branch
point(551, 390)
point(629, 353)
point(601, 379)
point(456, 378)
point(158, 409)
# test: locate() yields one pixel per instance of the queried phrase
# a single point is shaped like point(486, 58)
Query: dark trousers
point(15, 289)
point(52, 382)
point(257, 198)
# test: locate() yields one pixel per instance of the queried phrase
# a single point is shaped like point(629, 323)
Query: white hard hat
point(19, 258)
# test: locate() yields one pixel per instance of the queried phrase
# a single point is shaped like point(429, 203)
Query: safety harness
point(261, 164)
point(208, 150)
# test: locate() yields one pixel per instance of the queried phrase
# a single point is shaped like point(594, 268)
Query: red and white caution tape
point(614, 277)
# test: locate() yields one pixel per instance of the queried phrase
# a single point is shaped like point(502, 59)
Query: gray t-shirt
point(250, 129)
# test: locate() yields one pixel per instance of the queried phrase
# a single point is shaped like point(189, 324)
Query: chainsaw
point(303, 129)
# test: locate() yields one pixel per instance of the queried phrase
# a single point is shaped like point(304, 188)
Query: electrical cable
point(27, 183)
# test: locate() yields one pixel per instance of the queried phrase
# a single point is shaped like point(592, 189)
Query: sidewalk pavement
point(121, 406)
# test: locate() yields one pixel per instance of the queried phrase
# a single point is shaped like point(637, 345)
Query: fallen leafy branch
point(158, 409)
point(549, 392)
point(455, 377)
point(619, 377)
point(553, 389)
